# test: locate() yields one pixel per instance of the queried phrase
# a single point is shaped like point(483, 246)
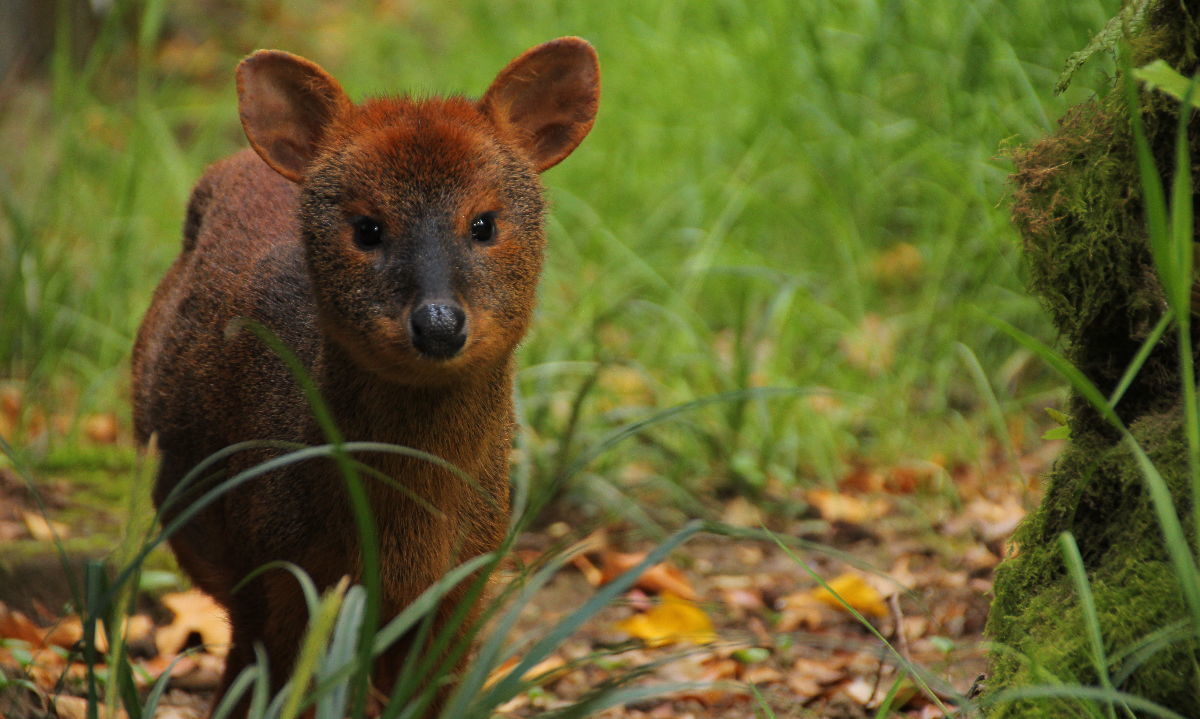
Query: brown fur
point(269, 236)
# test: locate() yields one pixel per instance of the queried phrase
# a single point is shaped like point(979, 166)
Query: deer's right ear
point(286, 103)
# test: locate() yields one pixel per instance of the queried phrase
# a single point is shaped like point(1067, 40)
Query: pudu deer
point(394, 247)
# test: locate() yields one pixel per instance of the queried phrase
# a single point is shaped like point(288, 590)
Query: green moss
point(1097, 493)
point(1077, 202)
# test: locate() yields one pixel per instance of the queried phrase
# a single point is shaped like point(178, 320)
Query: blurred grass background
point(776, 194)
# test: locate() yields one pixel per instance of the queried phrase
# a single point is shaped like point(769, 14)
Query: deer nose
point(438, 329)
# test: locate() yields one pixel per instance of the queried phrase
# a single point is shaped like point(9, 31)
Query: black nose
point(437, 329)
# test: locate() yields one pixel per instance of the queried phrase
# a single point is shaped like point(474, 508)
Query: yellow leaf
point(855, 591)
point(673, 620)
point(43, 530)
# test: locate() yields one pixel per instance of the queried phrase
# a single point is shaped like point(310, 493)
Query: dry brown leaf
point(800, 610)
point(761, 674)
point(673, 620)
point(41, 529)
point(11, 401)
point(66, 633)
point(862, 691)
point(196, 612)
point(10, 530)
point(15, 625)
point(706, 667)
point(741, 512)
point(197, 672)
point(662, 578)
point(811, 678)
point(68, 707)
point(546, 671)
point(591, 573)
point(835, 506)
point(993, 520)
point(743, 600)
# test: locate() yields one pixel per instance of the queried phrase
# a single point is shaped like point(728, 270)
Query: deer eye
point(368, 233)
point(483, 227)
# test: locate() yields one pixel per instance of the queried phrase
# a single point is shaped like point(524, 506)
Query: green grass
point(722, 227)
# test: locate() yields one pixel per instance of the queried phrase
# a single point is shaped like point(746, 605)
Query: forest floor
point(744, 617)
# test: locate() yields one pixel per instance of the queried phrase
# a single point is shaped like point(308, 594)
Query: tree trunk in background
point(1077, 203)
point(27, 33)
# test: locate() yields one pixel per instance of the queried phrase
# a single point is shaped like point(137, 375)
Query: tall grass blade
point(364, 517)
point(507, 687)
point(342, 652)
point(1139, 360)
point(1087, 605)
point(320, 626)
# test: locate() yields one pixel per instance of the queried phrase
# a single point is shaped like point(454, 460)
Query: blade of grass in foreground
point(1172, 236)
point(507, 687)
point(1091, 620)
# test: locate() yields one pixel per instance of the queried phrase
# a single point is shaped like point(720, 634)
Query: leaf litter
point(736, 616)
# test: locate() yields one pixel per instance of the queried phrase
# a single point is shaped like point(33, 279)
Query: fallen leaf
point(11, 401)
point(855, 591)
point(66, 633)
point(591, 573)
point(198, 672)
point(661, 578)
point(761, 674)
point(673, 620)
point(68, 707)
point(195, 612)
point(839, 507)
point(15, 625)
point(861, 690)
point(741, 512)
point(809, 677)
point(101, 428)
point(706, 667)
point(43, 530)
point(800, 610)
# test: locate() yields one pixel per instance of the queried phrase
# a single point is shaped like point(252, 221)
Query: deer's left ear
point(545, 101)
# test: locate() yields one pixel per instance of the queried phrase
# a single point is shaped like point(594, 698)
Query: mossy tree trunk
point(1078, 206)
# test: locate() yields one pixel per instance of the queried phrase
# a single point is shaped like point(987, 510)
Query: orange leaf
point(101, 428)
point(15, 625)
point(661, 578)
point(195, 612)
point(590, 571)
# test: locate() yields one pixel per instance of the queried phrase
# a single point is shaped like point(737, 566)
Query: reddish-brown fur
point(271, 236)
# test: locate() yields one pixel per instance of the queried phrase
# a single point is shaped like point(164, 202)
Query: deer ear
point(545, 101)
point(286, 103)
